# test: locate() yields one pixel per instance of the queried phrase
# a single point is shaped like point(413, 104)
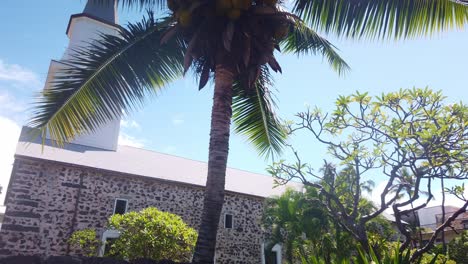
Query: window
point(228, 221)
point(465, 224)
point(120, 206)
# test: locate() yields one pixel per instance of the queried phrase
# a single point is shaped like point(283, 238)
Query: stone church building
point(56, 191)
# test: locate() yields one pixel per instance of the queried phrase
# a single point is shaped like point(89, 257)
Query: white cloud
point(377, 191)
point(127, 140)
point(18, 74)
point(10, 134)
point(178, 120)
point(436, 192)
point(449, 199)
point(9, 104)
point(130, 124)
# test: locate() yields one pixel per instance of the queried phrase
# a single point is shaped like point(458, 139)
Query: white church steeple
point(98, 17)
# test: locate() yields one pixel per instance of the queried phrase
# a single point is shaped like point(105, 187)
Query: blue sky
point(177, 122)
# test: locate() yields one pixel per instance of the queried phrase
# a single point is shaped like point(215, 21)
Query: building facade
point(48, 200)
point(56, 191)
point(428, 219)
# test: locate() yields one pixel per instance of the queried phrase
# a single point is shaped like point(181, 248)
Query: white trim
point(107, 234)
point(115, 204)
point(262, 251)
point(277, 249)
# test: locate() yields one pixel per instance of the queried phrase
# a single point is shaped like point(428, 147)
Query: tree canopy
point(412, 130)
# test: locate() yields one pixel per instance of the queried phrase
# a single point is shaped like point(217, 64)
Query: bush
point(152, 234)
point(86, 240)
point(458, 248)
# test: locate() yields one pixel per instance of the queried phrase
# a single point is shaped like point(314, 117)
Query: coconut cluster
point(183, 10)
point(241, 33)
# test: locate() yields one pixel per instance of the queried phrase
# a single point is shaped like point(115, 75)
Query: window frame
point(277, 248)
point(115, 205)
point(232, 220)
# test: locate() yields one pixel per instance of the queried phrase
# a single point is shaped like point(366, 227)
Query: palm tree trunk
point(217, 161)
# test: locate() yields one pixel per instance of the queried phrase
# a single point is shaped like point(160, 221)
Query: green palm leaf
point(112, 75)
point(303, 40)
point(253, 115)
point(139, 4)
point(382, 18)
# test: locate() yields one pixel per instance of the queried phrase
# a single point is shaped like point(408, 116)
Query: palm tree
point(232, 42)
point(299, 223)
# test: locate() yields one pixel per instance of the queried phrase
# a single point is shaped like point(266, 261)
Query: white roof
point(147, 163)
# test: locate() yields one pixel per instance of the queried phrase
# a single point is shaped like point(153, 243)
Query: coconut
point(223, 4)
point(281, 31)
point(246, 4)
point(234, 13)
point(270, 2)
point(184, 17)
point(172, 5)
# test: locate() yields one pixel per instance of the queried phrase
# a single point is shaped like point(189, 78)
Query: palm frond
point(303, 40)
point(137, 4)
point(382, 18)
point(253, 115)
point(112, 75)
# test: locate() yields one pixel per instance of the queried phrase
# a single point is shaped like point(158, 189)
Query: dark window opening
point(120, 206)
point(271, 257)
point(228, 221)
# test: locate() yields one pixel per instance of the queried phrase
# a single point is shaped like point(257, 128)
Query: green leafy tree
point(152, 234)
point(299, 226)
point(86, 241)
point(302, 223)
point(411, 129)
point(458, 248)
point(231, 42)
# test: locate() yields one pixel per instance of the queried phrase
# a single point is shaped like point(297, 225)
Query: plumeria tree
point(395, 135)
point(234, 43)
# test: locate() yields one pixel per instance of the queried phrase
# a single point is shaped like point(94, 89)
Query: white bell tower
point(98, 17)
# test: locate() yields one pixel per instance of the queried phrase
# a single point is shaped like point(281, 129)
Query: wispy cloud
point(10, 134)
point(9, 103)
point(178, 119)
point(16, 74)
point(127, 140)
point(130, 124)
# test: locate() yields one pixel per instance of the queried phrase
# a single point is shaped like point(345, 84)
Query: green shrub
point(85, 240)
point(152, 234)
point(458, 248)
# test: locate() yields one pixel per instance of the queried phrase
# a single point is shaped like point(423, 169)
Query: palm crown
point(232, 41)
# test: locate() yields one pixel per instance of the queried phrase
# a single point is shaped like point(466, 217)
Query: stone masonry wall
point(47, 201)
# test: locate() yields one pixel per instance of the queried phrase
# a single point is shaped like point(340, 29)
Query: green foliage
point(411, 136)
point(86, 240)
point(436, 259)
point(302, 224)
point(253, 117)
point(380, 232)
point(152, 234)
point(382, 18)
point(458, 248)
